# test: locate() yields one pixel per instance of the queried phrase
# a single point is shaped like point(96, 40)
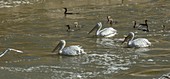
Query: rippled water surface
point(36, 27)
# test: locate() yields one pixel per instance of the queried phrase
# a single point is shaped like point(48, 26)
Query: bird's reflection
point(140, 51)
point(108, 42)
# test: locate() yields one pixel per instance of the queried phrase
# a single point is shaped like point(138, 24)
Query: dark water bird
point(122, 1)
point(67, 13)
point(71, 50)
point(69, 29)
point(8, 50)
point(163, 28)
point(111, 21)
point(106, 32)
point(143, 27)
point(77, 25)
point(72, 30)
point(137, 43)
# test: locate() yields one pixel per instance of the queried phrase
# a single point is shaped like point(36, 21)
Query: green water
point(36, 27)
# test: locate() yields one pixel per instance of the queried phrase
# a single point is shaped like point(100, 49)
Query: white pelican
point(139, 42)
point(10, 49)
point(71, 50)
point(106, 32)
point(143, 27)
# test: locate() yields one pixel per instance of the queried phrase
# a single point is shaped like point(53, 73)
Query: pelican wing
point(73, 50)
point(140, 42)
point(108, 32)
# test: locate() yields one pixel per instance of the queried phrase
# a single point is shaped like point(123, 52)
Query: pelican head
point(129, 37)
point(98, 25)
point(60, 46)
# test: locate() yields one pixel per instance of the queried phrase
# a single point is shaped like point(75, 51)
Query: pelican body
point(71, 50)
point(137, 43)
point(143, 27)
point(106, 32)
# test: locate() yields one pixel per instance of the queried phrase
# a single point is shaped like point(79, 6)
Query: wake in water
point(15, 3)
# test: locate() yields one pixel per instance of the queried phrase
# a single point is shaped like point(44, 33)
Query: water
point(36, 26)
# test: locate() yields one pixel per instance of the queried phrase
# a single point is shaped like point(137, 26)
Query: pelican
point(137, 43)
point(10, 49)
point(71, 50)
point(143, 27)
point(106, 32)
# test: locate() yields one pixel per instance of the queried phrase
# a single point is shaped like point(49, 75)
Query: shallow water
point(36, 26)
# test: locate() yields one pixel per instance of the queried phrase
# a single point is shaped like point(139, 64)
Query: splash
point(11, 3)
